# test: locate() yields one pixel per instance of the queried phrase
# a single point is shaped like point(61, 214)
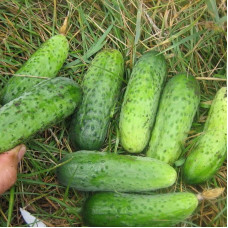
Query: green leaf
point(92, 50)
point(179, 162)
point(182, 41)
point(11, 204)
point(222, 20)
point(213, 10)
point(138, 24)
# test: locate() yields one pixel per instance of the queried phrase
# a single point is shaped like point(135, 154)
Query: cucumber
point(100, 171)
point(45, 62)
point(209, 152)
point(48, 103)
point(131, 210)
point(141, 100)
point(177, 108)
point(101, 87)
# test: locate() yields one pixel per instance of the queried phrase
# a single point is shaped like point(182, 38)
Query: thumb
point(8, 166)
point(16, 154)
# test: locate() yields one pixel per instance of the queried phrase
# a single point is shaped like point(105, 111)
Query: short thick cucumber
point(45, 62)
point(101, 87)
point(141, 100)
point(48, 103)
point(100, 171)
point(176, 111)
point(131, 210)
point(210, 150)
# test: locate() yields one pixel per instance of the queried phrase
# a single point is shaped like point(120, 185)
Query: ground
point(192, 36)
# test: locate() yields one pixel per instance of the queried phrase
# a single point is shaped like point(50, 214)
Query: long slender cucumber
point(47, 103)
point(141, 100)
point(101, 88)
point(131, 210)
point(210, 150)
point(45, 62)
point(177, 108)
point(100, 171)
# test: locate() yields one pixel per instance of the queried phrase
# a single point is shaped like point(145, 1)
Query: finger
point(8, 166)
point(14, 154)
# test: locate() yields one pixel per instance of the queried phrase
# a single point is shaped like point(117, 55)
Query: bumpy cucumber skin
point(131, 210)
point(141, 100)
point(100, 171)
point(101, 87)
point(48, 103)
point(177, 108)
point(45, 62)
point(210, 151)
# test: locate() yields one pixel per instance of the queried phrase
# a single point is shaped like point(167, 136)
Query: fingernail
point(21, 152)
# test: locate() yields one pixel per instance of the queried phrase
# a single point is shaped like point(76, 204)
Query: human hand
point(8, 166)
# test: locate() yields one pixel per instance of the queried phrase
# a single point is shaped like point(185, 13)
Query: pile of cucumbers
point(155, 119)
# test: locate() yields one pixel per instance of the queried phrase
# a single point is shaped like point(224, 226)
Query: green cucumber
point(48, 103)
point(177, 108)
point(141, 100)
point(45, 62)
point(209, 152)
point(101, 87)
point(100, 171)
point(131, 210)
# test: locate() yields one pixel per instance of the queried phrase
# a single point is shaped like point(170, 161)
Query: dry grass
point(192, 36)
